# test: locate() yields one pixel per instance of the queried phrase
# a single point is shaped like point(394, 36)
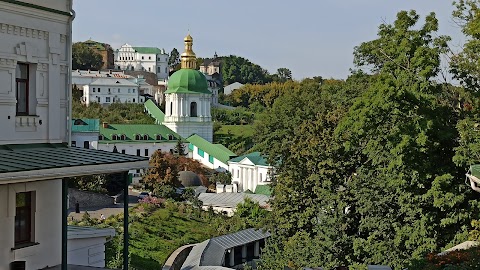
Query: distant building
point(84, 77)
point(105, 50)
point(213, 156)
point(106, 91)
point(149, 59)
point(227, 202)
point(227, 90)
point(211, 66)
point(85, 133)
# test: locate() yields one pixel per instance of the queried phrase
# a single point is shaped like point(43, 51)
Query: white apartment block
point(107, 91)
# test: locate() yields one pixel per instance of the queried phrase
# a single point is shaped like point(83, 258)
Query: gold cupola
point(188, 57)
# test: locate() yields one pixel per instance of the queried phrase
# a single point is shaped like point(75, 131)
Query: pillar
point(64, 222)
point(244, 253)
point(232, 256)
point(181, 107)
point(256, 249)
point(124, 176)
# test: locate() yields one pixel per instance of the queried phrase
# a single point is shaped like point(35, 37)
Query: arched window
point(123, 137)
point(171, 108)
point(137, 137)
point(100, 137)
point(193, 109)
point(159, 137)
point(145, 137)
point(170, 137)
point(114, 137)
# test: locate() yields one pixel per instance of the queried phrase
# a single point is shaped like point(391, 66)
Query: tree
point(179, 148)
point(238, 69)
point(284, 74)
point(83, 57)
point(174, 59)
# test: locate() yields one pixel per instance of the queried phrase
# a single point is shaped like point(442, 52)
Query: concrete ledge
point(177, 258)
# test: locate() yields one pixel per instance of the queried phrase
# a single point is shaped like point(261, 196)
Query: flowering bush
point(150, 204)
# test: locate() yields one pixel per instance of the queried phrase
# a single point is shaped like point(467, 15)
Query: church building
point(187, 99)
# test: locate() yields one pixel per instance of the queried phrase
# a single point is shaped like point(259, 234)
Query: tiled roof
point(85, 125)
point(255, 157)
point(154, 111)
point(130, 132)
point(217, 151)
point(30, 157)
point(147, 50)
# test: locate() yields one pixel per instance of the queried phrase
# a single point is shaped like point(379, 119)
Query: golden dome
point(188, 57)
point(188, 38)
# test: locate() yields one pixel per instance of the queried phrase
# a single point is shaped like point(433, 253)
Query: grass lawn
point(238, 138)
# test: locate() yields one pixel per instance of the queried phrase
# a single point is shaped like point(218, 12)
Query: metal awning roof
point(40, 161)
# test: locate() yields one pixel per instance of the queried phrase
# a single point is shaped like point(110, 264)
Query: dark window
point(74, 143)
point(170, 137)
point(100, 137)
point(86, 144)
point(21, 80)
point(99, 89)
point(123, 151)
point(138, 152)
point(193, 109)
point(146, 152)
point(145, 137)
point(23, 218)
point(149, 58)
point(123, 137)
point(133, 100)
point(171, 108)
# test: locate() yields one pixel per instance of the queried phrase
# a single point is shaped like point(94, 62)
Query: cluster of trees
point(84, 57)
point(237, 116)
point(118, 113)
point(371, 170)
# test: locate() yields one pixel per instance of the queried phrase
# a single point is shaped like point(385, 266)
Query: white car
point(143, 195)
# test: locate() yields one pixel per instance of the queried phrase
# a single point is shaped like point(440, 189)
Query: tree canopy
point(239, 69)
point(83, 57)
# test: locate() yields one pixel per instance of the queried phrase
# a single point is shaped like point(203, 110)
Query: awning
point(32, 162)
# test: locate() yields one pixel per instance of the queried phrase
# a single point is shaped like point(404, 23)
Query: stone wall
point(88, 199)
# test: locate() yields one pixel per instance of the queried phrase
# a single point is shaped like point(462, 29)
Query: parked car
point(143, 195)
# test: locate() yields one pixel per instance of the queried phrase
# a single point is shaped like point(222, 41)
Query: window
point(74, 143)
point(109, 90)
point(100, 137)
point(200, 152)
point(210, 158)
point(132, 68)
point(138, 152)
point(149, 69)
point(86, 144)
point(114, 137)
point(142, 57)
point(93, 89)
point(24, 221)
point(159, 137)
point(137, 137)
point(123, 137)
point(145, 137)
point(149, 58)
point(123, 151)
point(118, 90)
point(170, 137)
point(107, 99)
point(146, 152)
point(133, 100)
point(133, 91)
point(193, 109)
point(165, 70)
point(99, 89)
point(98, 99)
point(158, 69)
point(21, 80)
point(190, 147)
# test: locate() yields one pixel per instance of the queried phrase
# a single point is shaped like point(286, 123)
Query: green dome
point(189, 81)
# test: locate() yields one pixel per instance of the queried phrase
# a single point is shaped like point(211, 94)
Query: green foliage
point(237, 138)
point(237, 116)
point(282, 75)
point(110, 184)
point(455, 260)
point(174, 59)
point(179, 148)
point(239, 69)
point(252, 214)
point(221, 177)
point(83, 57)
point(118, 113)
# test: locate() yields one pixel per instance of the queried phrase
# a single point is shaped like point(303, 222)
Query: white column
point(200, 105)
point(232, 256)
point(256, 249)
point(181, 107)
point(244, 253)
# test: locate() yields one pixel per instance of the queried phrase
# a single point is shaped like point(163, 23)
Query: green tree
point(83, 57)
point(239, 69)
point(179, 148)
point(174, 59)
point(284, 74)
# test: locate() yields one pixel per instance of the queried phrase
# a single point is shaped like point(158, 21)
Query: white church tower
point(187, 99)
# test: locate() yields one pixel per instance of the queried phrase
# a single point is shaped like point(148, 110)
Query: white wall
point(87, 251)
point(131, 148)
point(248, 176)
point(47, 220)
point(38, 38)
point(81, 137)
point(124, 94)
point(204, 160)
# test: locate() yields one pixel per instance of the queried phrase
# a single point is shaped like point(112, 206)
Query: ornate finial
point(188, 57)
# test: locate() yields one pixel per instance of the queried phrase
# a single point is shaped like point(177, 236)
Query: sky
point(310, 37)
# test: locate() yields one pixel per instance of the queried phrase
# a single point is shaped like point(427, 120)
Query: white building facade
point(249, 171)
point(149, 59)
point(108, 91)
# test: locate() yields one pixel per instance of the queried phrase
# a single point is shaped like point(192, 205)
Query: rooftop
point(85, 125)
point(113, 82)
point(154, 133)
point(154, 111)
point(77, 232)
point(231, 200)
point(148, 50)
point(218, 151)
point(100, 74)
point(255, 157)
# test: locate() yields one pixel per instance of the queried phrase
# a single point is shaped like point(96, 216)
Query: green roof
point(85, 125)
point(263, 189)
point(130, 132)
point(29, 157)
point(187, 81)
point(217, 151)
point(255, 157)
point(154, 111)
point(475, 170)
point(147, 50)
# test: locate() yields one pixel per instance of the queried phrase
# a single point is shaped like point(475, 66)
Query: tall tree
point(174, 59)
point(83, 57)
point(284, 74)
point(239, 69)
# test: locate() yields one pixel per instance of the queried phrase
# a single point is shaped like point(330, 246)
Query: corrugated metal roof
point(85, 125)
point(148, 50)
point(30, 157)
point(230, 200)
point(218, 151)
point(130, 132)
point(255, 157)
point(76, 232)
point(154, 111)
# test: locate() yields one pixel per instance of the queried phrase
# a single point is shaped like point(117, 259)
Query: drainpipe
point(124, 175)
